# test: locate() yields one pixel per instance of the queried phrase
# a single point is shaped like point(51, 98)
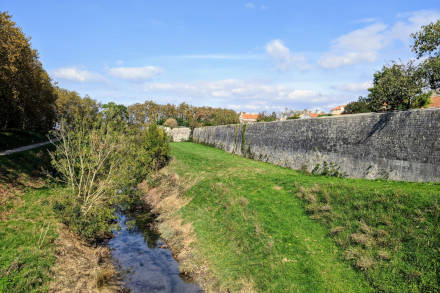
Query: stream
point(143, 259)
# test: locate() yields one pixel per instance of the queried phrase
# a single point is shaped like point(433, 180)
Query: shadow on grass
point(22, 168)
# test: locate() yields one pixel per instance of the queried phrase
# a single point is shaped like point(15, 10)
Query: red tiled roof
point(313, 115)
point(338, 108)
point(435, 102)
point(249, 116)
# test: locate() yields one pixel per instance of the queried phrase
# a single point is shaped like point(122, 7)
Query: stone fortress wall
point(401, 145)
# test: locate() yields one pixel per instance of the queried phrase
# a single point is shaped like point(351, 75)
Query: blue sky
point(244, 55)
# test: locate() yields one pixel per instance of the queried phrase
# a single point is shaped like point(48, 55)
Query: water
point(144, 264)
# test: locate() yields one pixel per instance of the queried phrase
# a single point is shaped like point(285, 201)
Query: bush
point(360, 106)
point(101, 162)
point(170, 122)
point(293, 117)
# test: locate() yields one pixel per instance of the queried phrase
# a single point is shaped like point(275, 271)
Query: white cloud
point(263, 7)
point(411, 23)
point(249, 5)
point(354, 47)
point(283, 58)
point(76, 74)
point(232, 89)
point(135, 73)
point(223, 56)
point(353, 86)
point(365, 44)
point(365, 20)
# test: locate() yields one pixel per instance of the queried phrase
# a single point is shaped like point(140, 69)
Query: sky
point(248, 56)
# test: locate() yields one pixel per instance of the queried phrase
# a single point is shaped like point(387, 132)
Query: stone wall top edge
point(347, 116)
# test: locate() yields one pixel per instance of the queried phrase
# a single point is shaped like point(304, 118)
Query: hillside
point(240, 224)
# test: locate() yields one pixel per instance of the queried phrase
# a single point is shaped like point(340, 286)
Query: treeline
point(27, 95)
point(184, 114)
point(402, 86)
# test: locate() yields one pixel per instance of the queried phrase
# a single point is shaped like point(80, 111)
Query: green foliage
point(430, 71)
point(156, 146)
point(115, 113)
point(26, 92)
point(263, 117)
point(398, 87)
point(294, 232)
point(362, 105)
point(185, 115)
point(70, 105)
point(101, 162)
point(427, 40)
point(427, 44)
point(293, 117)
point(170, 122)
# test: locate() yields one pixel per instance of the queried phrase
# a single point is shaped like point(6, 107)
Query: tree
point(362, 105)
point(26, 92)
point(398, 87)
point(170, 122)
point(427, 40)
point(427, 44)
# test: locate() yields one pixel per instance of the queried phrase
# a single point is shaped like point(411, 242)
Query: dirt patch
point(82, 268)
point(166, 199)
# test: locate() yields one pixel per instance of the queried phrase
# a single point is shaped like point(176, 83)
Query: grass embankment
point(13, 138)
point(270, 229)
point(35, 248)
point(27, 223)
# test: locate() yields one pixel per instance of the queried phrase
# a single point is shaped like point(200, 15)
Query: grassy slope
point(287, 231)
point(27, 223)
point(11, 138)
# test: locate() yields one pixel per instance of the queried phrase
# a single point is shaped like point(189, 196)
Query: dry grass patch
point(165, 199)
point(82, 268)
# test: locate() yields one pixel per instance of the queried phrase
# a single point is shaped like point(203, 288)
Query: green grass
point(26, 242)
point(287, 231)
point(13, 138)
point(28, 225)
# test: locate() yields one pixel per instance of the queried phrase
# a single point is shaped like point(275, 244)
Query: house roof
point(435, 102)
point(249, 116)
point(338, 108)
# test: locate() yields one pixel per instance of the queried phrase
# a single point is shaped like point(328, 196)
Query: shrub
point(362, 105)
point(296, 116)
point(170, 122)
point(101, 163)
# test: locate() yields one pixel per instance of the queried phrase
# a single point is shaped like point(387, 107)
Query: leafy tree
point(184, 114)
point(427, 44)
point(170, 122)
point(398, 87)
point(362, 105)
point(430, 71)
point(70, 105)
point(26, 92)
point(427, 40)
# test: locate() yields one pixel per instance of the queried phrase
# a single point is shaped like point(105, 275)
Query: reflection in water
point(145, 266)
